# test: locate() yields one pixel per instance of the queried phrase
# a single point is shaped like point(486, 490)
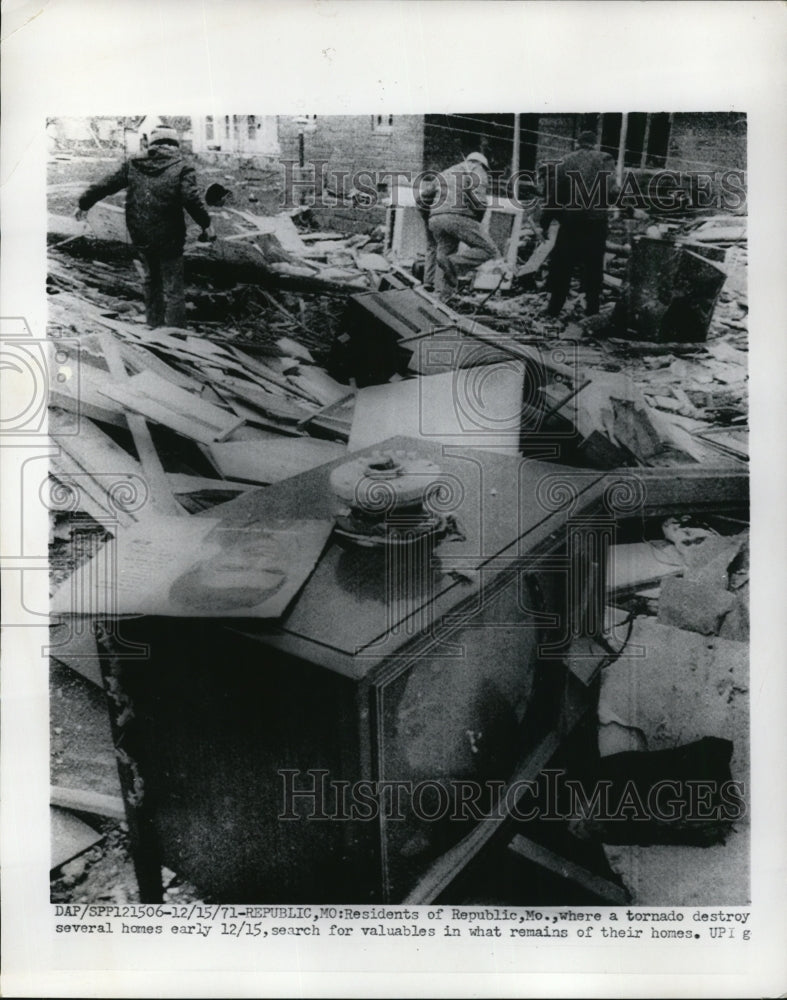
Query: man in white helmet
point(456, 202)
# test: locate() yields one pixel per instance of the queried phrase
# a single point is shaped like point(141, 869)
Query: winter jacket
point(160, 185)
point(585, 184)
point(459, 190)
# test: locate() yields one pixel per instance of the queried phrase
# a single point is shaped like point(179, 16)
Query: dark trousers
point(580, 241)
point(165, 297)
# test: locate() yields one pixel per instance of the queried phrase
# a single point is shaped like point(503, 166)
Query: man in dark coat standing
point(160, 186)
point(581, 194)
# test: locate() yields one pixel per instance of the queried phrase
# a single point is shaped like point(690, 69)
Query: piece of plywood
point(280, 226)
point(320, 386)
point(271, 461)
point(77, 649)
point(638, 563)
point(184, 412)
point(190, 567)
point(162, 500)
point(472, 407)
point(81, 800)
point(69, 836)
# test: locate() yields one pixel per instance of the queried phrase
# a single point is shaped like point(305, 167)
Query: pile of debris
point(226, 420)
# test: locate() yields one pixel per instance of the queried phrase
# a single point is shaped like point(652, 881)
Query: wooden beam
point(161, 496)
point(449, 865)
point(609, 892)
point(80, 800)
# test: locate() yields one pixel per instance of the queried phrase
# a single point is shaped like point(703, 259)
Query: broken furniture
point(671, 293)
point(434, 661)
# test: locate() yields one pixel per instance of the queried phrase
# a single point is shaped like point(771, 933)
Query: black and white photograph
point(502, 359)
point(391, 472)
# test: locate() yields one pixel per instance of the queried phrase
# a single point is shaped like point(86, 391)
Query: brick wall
point(705, 148)
point(348, 142)
point(708, 141)
point(556, 136)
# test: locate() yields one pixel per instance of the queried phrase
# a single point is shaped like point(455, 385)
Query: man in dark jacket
point(160, 186)
point(456, 202)
point(583, 189)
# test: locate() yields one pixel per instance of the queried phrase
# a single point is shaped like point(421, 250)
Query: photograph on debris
point(399, 509)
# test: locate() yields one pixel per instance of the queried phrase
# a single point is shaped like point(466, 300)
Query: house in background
point(338, 148)
point(245, 135)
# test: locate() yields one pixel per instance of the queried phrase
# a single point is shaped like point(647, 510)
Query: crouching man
point(456, 203)
point(160, 186)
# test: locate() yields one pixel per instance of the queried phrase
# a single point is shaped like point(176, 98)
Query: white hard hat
point(479, 158)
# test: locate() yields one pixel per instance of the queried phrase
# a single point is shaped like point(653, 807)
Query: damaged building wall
point(352, 143)
point(708, 141)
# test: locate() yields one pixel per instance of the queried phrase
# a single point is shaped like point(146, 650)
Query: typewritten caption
point(379, 922)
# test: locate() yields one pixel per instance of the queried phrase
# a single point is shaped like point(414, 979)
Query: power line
point(567, 139)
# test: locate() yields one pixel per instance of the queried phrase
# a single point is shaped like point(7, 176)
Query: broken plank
point(69, 837)
point(160, 494)
point(156, 399)
point(182, 482)
point(288, 346)
point(320, 386)
point(271, 461)
point(255, 367)
point(81, 800)
point(609, 892)
point(275, 406)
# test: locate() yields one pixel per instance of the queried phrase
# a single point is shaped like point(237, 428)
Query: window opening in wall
point(382, 124)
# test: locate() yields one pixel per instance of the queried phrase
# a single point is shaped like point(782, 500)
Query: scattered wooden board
point(474, 407)
point(270, 461)
point(80, 800)
point(69, 836)
point(159, 400)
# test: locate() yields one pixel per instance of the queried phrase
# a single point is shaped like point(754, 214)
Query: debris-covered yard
point(306, 334)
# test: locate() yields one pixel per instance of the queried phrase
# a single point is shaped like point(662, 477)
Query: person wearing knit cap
point(159, 187)
point(584, 189)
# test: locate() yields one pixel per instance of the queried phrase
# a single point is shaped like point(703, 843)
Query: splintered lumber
point(183, 483)
point(243, 261)
point(609, 892)
point(274, 405)
point(161, 496)
point(81, 395)
point(89, 497)
point(98, 460)
point(81, 800)
point(293, 348)
point(69, 835)
point(254, 367)
point(139, 359)
point(270, 461)
point(319, 385)
point(159, 400)
point(336, 419)
point(253, 418)
point(281, 226)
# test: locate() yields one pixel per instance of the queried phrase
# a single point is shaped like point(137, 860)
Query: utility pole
point(515, 153)
point(624, 127)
